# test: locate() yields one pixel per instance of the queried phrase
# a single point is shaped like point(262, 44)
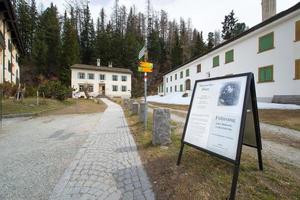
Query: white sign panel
point(215, 116)
point(142, 52)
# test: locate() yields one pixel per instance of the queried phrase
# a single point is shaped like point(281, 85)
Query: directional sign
point(142, 69)
point(146, 65)
point(142, 52)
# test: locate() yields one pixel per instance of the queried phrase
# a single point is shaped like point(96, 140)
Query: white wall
point(108, 83)
point(247, 59)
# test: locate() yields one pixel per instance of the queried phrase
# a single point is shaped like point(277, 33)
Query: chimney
point(98, 62)
point(110, 64)
point(268, 9)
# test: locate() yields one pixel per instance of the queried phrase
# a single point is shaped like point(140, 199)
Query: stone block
point(161, 127)
point(143, 110)
point(135, 108)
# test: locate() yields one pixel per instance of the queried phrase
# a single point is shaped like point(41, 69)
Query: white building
point(10, 43)
point(101, 81)
point(270, 50)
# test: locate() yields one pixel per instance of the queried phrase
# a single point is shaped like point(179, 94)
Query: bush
point(30, 91)
point(8, 89)
point(55, 89)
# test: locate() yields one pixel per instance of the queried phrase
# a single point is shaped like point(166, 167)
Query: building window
point(115, 88)
point(216, 61)
point(171, 89)
point(187, 72)
point(124, 88)
point(181, 74)
point(91, 76)
point(81, 87)
point(175, 77)
point(175, 88)
point(170, 78)
point(297, 69)
point(9, 66)
point(124, 78)
point(167, 80)
point(229, 56)
point(181, 88)
point(102, 77)
point(166, 89)
point(297, 31)
point(266, 42)
point(90, 88)
point(199, 68)
point(115, 77)
point(81, 75)
point(9, 45)
point(265, 74)
point(188, 84)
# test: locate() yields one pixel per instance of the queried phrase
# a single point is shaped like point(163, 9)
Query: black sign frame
point(250, 96)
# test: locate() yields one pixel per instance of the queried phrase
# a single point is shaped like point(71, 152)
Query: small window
point(188, 84)
point(229, 56)
point(90, 88)
point(102, 77)
point(166, 89)
point(124, 88)
point(181, 88)
point(91, 76)
point(216, 61)
point(115, 88)
point(175, 77)
point(81, 75)
point(265, 74)
point(81, 88)
point(171, 89)
point(170, 78)
point(187, 72)
point(167, 80)
point(297, 31)
point(175, 88)
point(115, 77)
point(266, 42)
point(124, 78)
point(181, 74)
point(199, 68)
point(297, 69)
point(9, 66)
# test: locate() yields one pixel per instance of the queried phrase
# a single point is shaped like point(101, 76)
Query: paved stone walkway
point(107, 166)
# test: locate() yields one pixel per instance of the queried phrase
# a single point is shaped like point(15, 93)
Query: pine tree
point(199, 46)
point(70, 50)
point(210, 40)
point(176, 51)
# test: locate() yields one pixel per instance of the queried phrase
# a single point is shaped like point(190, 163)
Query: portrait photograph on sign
point(215, 115)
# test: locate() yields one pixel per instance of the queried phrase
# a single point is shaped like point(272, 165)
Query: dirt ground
point(201, 176)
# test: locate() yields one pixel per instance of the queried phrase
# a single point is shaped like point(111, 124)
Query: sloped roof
point(102, 68)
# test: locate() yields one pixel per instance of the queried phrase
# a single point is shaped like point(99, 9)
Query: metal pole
point(146, 106)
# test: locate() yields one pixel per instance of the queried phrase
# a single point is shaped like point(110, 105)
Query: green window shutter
point(181, 88)
point(216, 61)
point(266, 74)
point(266, 42)
point(187, 72)
point(229, 56)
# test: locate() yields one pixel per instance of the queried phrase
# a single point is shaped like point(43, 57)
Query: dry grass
point(81, 106)
point(201, 176)
point(284, 118)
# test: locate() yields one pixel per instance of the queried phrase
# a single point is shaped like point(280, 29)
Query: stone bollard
point(161, 127)
point(131, 101)
point(142, 111)
point(135, 108)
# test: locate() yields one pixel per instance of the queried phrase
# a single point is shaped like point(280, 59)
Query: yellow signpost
point(146, 65)
point(142, 69)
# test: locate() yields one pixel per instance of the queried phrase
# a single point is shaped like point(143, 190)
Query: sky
point(206, 15)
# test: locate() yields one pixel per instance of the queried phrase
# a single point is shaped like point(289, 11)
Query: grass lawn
point(285, 118)
point(51, 106)
point(201, 176)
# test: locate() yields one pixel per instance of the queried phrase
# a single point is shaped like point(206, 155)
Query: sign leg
point(180, 154)
point(234, 181)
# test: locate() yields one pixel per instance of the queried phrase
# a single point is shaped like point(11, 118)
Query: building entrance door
point(102, 89)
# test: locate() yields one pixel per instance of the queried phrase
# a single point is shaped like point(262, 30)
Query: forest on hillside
point(53, 41)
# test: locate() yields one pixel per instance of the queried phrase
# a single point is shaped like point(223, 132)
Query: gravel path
point(36, 151)
point(107, 166)
point(271, 149)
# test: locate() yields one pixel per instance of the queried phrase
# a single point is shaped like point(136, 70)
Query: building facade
point(10, 44)
point(100, 81)
point(270, 50)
